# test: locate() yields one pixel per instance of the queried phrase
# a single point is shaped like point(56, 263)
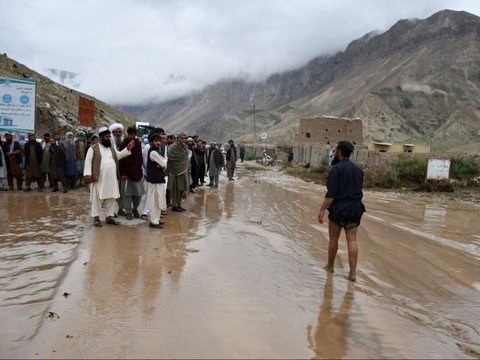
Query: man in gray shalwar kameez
point(215, 164)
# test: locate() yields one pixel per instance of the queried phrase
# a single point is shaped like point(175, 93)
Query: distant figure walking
point(290, 156)
point(242, 152)
point(344, 203)
point(231, 160)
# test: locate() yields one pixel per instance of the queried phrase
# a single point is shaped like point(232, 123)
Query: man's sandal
point(112, 221)
point(97, 223)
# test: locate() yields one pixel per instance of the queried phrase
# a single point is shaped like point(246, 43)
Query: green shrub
point(411, 170)
point(388, 179)
point(317, 169)
point(248, 157)
point(295, 169)
point(379, 177)
point(464, 169)
point(323, 167)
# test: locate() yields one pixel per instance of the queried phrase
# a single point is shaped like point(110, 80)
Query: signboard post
point(438, 169)
point(17, 105)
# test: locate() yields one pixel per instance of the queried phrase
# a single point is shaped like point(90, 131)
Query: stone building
point(326, 130)
point(318, 136)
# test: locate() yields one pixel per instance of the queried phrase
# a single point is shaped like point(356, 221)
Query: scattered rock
point(52, 315)
point(85, 263)
point(170, 272)
point(255, 222)
point(192, 250)
point(69, 336)
point(66, 294)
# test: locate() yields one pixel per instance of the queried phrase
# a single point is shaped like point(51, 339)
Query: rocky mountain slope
point(57, 105)
point(418, 80)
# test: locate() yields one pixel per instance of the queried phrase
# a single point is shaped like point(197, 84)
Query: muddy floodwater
point(239, 275)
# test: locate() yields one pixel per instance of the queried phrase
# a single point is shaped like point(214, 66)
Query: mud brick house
point(318, 135)
point(326, 130)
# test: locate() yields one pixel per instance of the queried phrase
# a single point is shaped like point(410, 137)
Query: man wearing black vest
point(156, 164)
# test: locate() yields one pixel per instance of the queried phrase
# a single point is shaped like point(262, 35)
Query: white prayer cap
point(103, 130)
point(115, 126)
point(190, 139)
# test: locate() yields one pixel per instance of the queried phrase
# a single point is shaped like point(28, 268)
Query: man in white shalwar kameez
point(116, 131)
point(101, 171)
point(156, 164)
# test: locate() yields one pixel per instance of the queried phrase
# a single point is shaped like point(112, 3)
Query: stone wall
point(316, 154)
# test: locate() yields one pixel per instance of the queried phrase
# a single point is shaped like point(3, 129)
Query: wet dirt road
point(240, 276)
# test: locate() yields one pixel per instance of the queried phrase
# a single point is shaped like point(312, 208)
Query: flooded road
point(39, 239)
point(240, 276)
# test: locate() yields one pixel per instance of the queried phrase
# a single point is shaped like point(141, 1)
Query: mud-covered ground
point(239, 275)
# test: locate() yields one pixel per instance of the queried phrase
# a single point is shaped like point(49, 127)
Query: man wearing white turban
point(117, 138)
point(117, 134)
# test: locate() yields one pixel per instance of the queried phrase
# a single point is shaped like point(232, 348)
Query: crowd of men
point(46, 162)
point(121, 168)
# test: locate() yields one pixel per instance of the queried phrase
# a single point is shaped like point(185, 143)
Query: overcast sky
point(136, 51)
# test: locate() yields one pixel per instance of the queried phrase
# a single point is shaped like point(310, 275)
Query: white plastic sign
point(438, 169)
